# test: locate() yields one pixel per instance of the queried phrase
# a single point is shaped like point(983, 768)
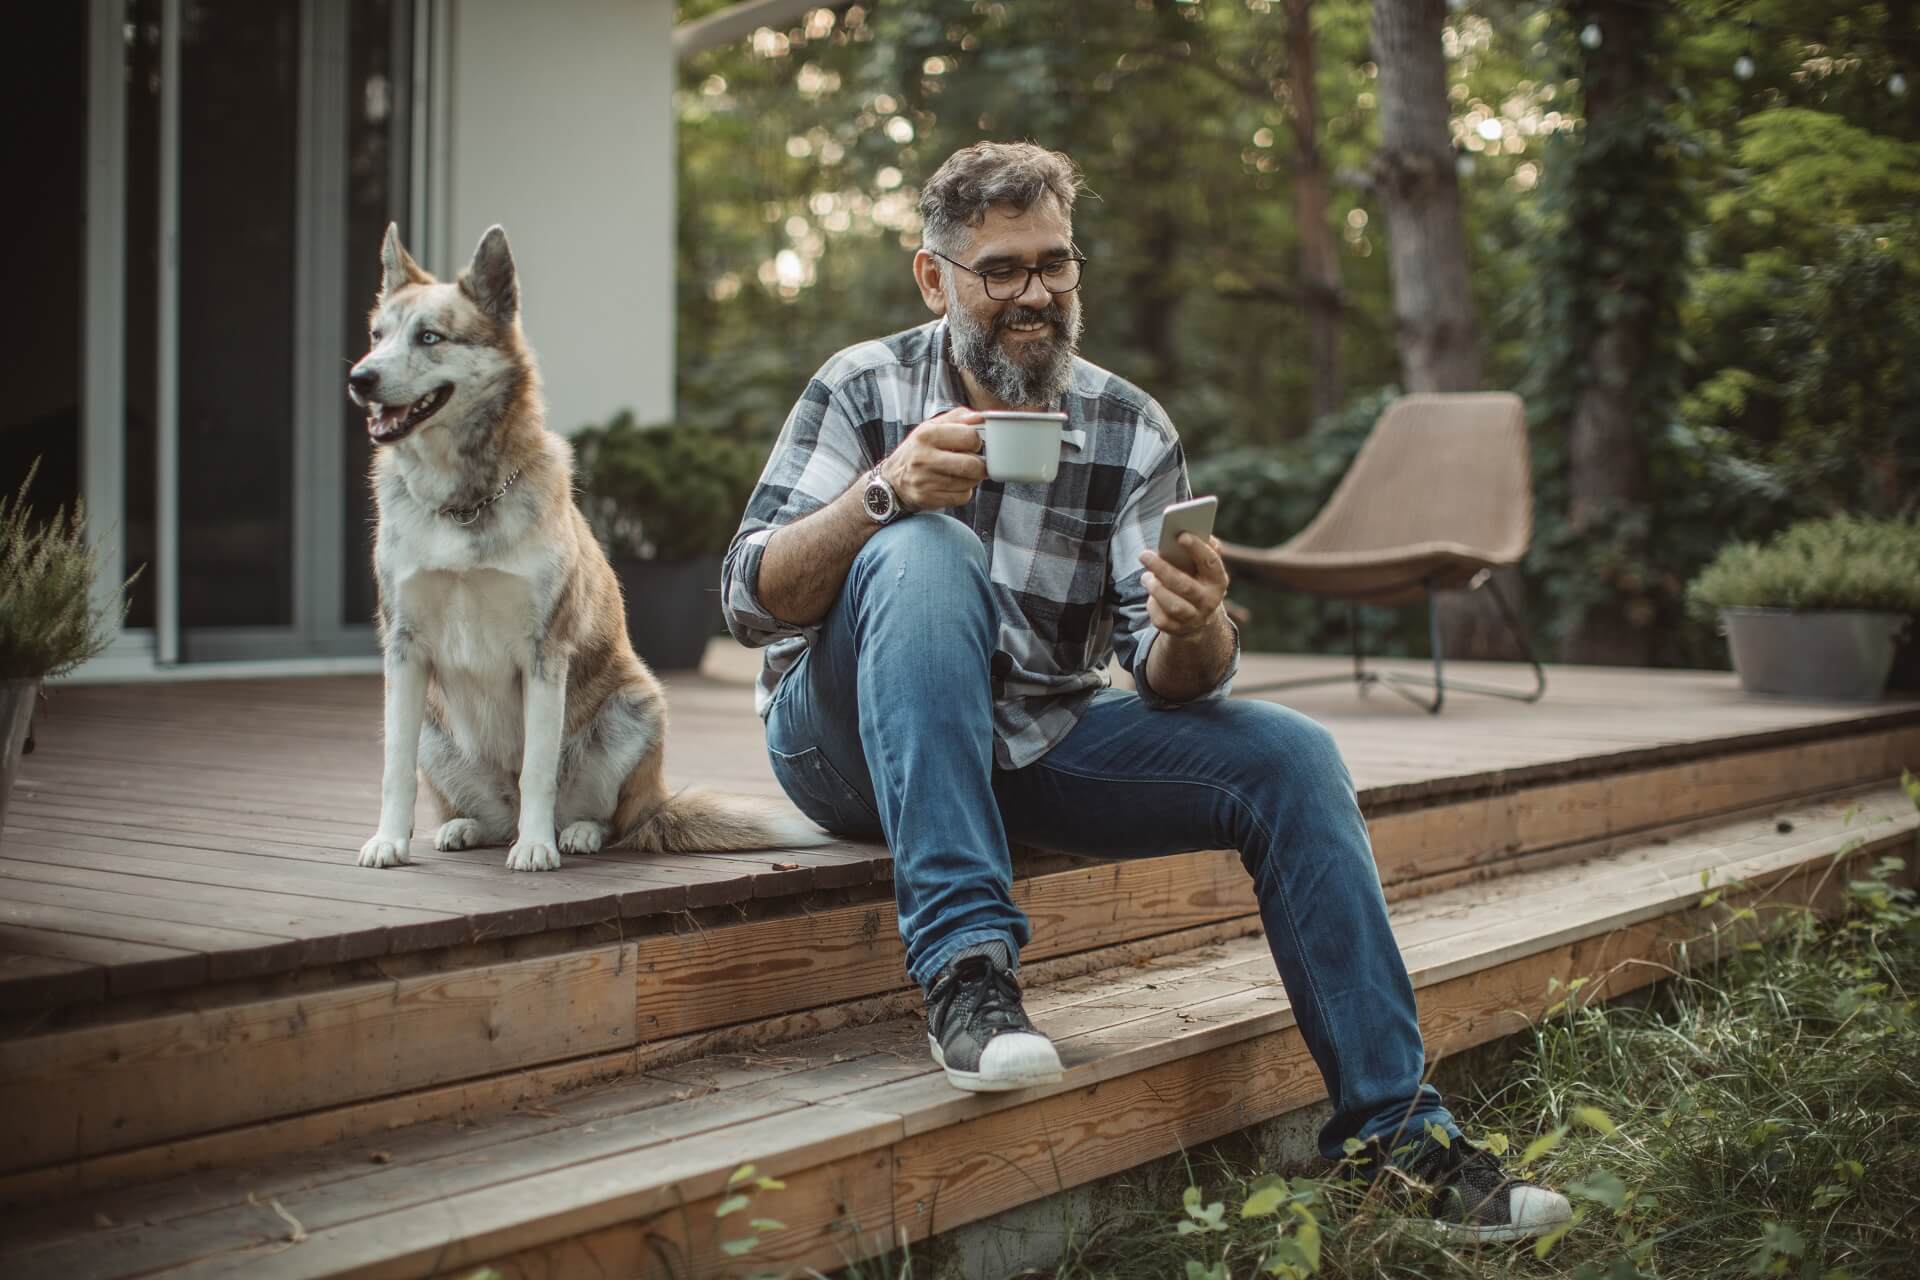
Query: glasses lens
point(1058, 277)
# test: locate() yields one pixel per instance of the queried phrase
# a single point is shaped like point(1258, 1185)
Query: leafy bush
point(663, 492)
point(49, 621)
point(1844, 562)
point(1819, 391)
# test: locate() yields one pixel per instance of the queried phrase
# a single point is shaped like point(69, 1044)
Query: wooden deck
point(165, 837)
point(204, 1005)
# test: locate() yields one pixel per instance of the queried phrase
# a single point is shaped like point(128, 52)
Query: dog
point(511, 685)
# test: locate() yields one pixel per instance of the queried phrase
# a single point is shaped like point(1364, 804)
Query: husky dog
point(510, 682)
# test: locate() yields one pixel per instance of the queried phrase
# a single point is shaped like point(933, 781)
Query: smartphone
point(1195, 517)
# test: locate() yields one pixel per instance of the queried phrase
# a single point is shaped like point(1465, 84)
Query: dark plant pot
point(1835, 655)
point(16, 713)
point(1905, 675)
point(673, 609)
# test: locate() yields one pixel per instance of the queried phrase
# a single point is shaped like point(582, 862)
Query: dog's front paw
point(533, 855)
point(385, 851)
point(458, 833)
point(584, 836)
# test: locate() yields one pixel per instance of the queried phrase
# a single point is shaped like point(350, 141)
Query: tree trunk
point(1419, 186)
point(1320, 288)
point(1414, 174)
point(1608, 482)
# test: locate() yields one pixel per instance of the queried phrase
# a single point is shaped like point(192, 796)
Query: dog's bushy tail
point(699, 821)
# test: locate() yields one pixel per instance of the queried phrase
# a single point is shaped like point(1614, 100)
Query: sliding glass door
point(264, 145)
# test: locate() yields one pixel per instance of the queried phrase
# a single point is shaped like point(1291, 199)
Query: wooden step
point(876, 1148)
point(117, 1093)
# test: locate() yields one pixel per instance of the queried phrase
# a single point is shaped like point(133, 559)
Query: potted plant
point(49, 620)
point(665, 501)
point(1816, 611)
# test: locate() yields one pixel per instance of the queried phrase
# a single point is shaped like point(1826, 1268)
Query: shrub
point(49, 621)
point(1843, 562)
point(663, 492)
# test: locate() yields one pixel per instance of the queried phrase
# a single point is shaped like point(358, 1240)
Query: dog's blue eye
point(428, 337)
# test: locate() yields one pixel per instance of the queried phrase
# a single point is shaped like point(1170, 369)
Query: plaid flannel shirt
point(1063, 558)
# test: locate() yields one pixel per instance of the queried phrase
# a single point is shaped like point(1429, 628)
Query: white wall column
point(562, 130)
point(103, 333)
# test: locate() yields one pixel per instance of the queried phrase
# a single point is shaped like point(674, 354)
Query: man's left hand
point(1182, 603)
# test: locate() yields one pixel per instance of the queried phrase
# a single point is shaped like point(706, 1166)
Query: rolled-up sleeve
point(818, 456)
point(1163, 482)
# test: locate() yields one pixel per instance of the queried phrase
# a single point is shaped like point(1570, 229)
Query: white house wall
point(561, 130)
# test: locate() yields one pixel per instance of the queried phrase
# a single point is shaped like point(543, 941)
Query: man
point(933, 675)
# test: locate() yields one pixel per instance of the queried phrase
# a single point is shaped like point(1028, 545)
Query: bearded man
point(936, 643)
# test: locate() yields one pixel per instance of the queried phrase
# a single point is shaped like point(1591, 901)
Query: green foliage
point(1760, 234)
point(667, 492)
point(742, 1183)
point(1821, 404)
point(811, 145)
point(49, 621)
point(1810, 171)
point(1844, 562)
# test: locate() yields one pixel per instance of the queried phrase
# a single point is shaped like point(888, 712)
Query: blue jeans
point(884, 728)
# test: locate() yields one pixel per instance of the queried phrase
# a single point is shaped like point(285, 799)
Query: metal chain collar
point(467, 515)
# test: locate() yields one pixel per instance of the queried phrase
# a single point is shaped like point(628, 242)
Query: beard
point(1029, 373)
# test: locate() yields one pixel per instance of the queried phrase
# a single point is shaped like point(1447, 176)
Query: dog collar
point(467, 515)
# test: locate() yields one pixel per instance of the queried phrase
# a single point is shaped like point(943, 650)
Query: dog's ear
point(397, 266)
point(490, 280)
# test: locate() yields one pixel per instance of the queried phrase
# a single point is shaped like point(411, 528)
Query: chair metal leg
point(1398, 681)
point(1360, 677)
point(1438, 683)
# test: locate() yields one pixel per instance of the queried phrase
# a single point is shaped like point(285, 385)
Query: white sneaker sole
point(1000, 1081)
point(1538, 1209)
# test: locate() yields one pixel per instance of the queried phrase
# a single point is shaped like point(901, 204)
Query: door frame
point(316, 637)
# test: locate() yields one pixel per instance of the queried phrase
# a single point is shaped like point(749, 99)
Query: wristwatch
point(878, 499)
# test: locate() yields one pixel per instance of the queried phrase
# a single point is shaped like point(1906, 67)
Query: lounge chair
point(1439, 496)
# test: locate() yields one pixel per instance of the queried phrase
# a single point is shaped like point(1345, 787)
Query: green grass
point(1761, 1118)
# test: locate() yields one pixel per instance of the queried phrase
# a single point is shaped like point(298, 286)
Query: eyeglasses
point(1004, 284)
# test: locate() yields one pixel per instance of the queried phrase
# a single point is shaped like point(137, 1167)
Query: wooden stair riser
point(492, 1095)
point(1428, 843)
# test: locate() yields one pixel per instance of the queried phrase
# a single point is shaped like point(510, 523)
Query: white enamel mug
point(1022, 447)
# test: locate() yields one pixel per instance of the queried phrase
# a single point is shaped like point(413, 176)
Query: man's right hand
point(938, 465)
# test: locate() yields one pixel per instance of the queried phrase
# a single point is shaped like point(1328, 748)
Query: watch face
point(879, 500)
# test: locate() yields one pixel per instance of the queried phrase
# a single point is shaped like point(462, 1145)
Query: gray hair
point(976, 178)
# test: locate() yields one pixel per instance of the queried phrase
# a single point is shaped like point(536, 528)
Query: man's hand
point(1181, 603)
point(938, 465)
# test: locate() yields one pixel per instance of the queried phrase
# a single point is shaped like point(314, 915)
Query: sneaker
point(1474, 1198)
point(980, 1035)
